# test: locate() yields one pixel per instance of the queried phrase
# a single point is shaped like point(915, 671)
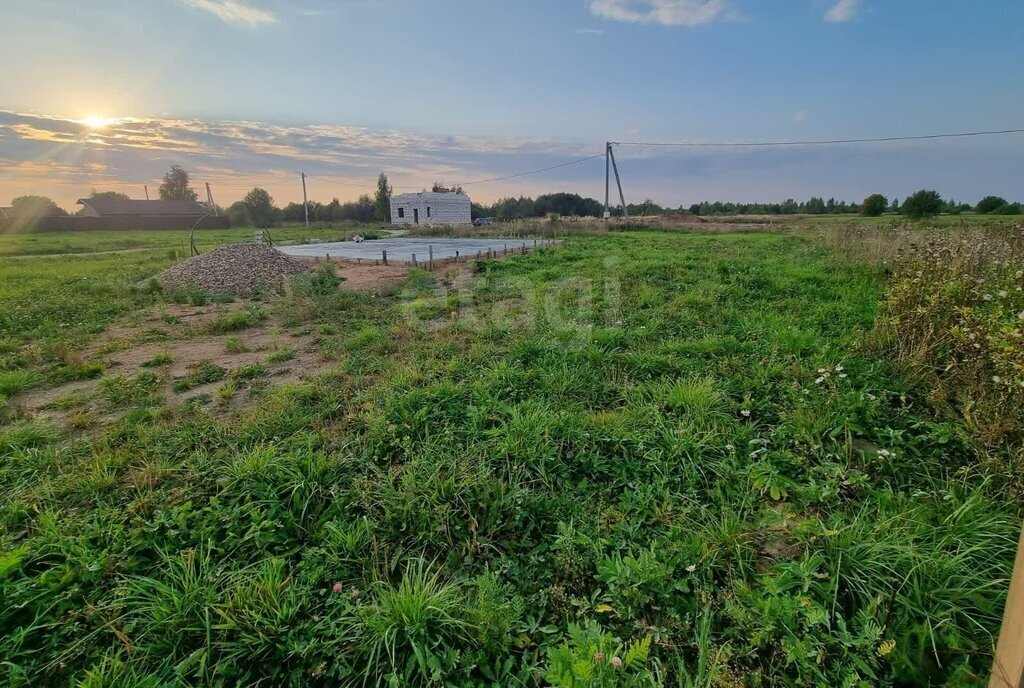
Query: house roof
point(31, 211)
point(117, 206)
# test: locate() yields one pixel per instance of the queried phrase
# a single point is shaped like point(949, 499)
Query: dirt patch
point(244, 360)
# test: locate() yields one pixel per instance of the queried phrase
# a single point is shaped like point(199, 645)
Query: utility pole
point(618, 182)
point(607, 178)
point(209, 201)
point(305, 203)
point(146, 187)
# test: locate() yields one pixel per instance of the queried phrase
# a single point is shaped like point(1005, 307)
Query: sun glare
point(94, 122)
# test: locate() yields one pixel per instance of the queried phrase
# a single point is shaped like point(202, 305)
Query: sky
point(107, 94)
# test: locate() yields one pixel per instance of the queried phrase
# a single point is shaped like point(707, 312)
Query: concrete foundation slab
point(402, 249)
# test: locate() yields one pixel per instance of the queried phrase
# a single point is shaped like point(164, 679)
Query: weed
point(161, 359)
point(243, 319)
point(281, 355)
point(121, 391)
point(235, 345)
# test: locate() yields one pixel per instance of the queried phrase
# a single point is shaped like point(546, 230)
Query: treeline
point(564, 204)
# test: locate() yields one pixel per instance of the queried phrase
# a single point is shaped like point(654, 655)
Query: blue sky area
point(243, 92)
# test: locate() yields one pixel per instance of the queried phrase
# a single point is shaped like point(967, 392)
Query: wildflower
point(839, 369)
point(886, 647)
point(729, 447)
point(338, 587)
point(1020, 316)
point(996, 379)
point(842, 375)
point(884, 453)
point(598, 656)
point(819, 380)
point(986, 297)
point(745, 413)
point(1003, 293)
point(691, 568)
point(616, 662)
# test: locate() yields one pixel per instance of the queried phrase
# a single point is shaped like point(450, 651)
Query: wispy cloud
point(665, 12)
point(800, 116)
point(843, 11)
point(237, 12)
point(65, 158)
point(590, 32)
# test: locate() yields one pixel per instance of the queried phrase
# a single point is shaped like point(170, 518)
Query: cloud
point(843, 11)
point(238, 12)
point(590, 32)
point(665, 12)
point(800, 116)
point(68, 158)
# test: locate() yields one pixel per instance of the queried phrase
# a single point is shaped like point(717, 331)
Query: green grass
point(167, 242)
point(644, 458)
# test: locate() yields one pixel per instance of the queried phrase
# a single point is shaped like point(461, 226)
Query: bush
point(923, 204)
point(988, 204)
point(1008, 209)
point(874, 205)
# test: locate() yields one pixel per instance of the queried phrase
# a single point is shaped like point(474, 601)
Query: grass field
point(643, 458)
point(52, 243)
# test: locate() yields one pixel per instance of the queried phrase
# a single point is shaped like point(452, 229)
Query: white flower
point(987, 297)
point(884, 452)
point(745, 413)
point(839, 368)
point(819, 380)
point(996, 379)
point(842, 375)
point(729, 447)
point(1003, 293)
point(691, 568)
point(822, 370)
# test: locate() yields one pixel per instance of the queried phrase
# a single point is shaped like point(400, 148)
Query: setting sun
point(94, 122)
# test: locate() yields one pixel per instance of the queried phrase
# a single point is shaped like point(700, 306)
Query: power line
point(537, 171)
point(829, 142)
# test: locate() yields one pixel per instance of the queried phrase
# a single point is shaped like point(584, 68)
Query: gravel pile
point(235, 268)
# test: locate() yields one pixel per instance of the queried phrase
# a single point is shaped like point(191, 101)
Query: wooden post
point(430, 250)
point(414, 260)
point(1008, 665)
point(385, 253)
point(456, 256)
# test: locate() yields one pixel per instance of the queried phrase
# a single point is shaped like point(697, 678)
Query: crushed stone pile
point(238, 269)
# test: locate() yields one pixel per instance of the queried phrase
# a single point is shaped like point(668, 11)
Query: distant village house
point(118, 213)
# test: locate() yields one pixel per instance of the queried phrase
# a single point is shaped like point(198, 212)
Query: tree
point(874, 205)
point(895, 207)
point(382, 202)
point(259, 208)
point(923, 204)
point(175, 186)
point(988, 204)
point(238, 215)
point(34, 206)
point(108, 196)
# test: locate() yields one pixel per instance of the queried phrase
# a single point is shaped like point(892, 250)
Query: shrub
point(988, 204)
point(923, 204)
point(874, 205)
